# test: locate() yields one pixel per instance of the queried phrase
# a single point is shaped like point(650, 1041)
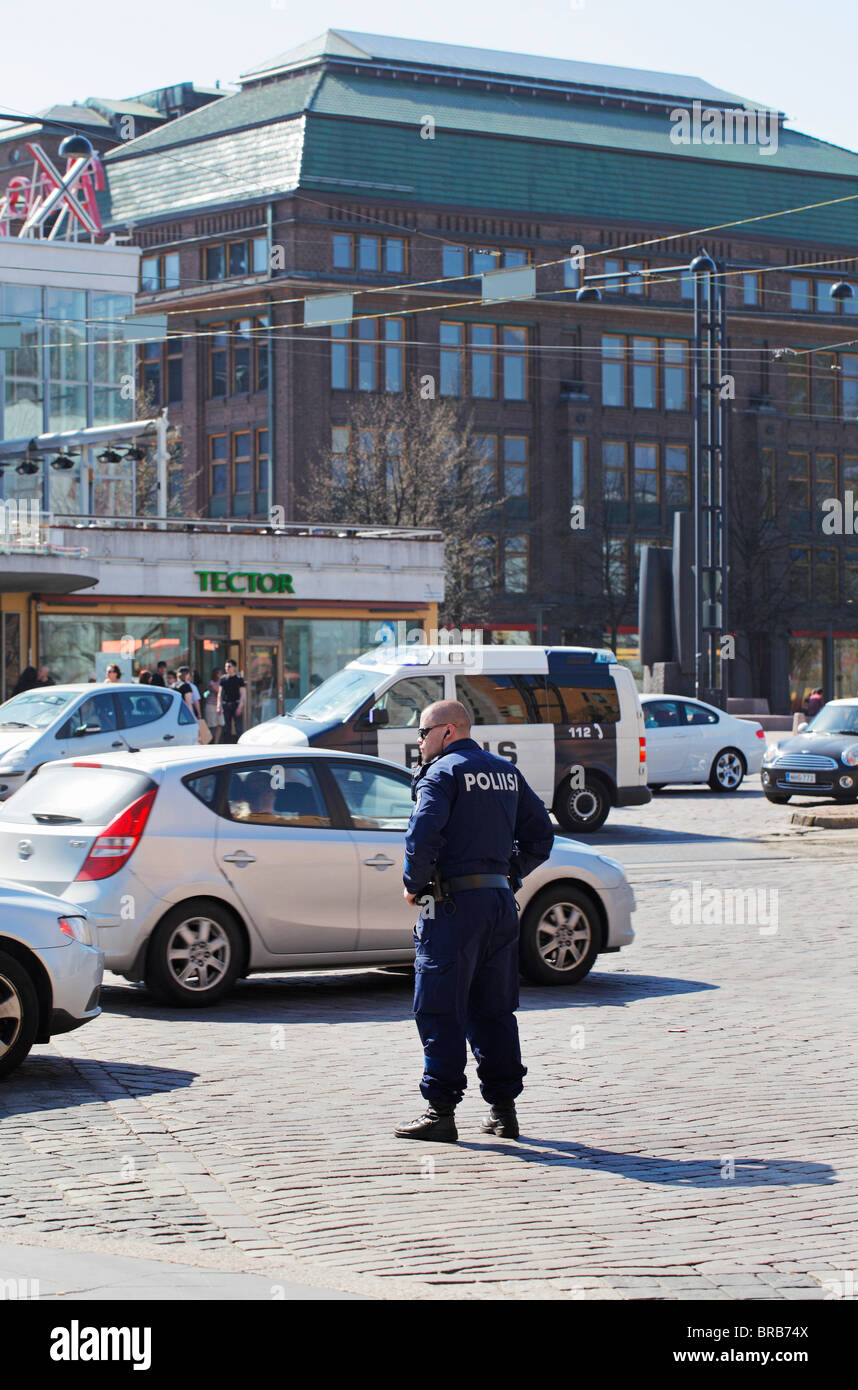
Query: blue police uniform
point(475, 815)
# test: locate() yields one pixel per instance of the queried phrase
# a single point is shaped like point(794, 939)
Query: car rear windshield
point(64, 794)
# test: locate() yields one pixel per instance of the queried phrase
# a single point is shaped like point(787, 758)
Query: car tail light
point(642, 755)
point(117, 842)
point(761, 733)
point(77, 928)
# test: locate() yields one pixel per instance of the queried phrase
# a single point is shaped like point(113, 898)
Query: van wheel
point(727, 771)
point(582, 809)
point(195, 955)
point(19, 1013)
point(560, 936)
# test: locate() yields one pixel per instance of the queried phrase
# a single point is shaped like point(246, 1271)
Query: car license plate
point(801, 776)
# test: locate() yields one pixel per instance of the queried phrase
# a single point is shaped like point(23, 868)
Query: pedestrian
point(28, 680)
point(476, 830)
point(186, 688)
point(113, 674)
point(213, 718)
point(815, 701)
point(160, 676)
point(45, 677)
point(230, 702)
point(145, 677)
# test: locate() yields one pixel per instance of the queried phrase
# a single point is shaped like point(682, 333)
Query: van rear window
point(579, 704)
point(80, 795)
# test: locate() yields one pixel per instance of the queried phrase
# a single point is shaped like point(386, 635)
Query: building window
point(516, 480)
point(161, 364)
point(677, 482)
point(340, 360)
point(686, 285)
point(237, 351)
point(369, 253)
point(483, 348)
point(452, 358)
point(616, 560)
point(367, 355)
point(824, 303)
point(798, 385)
point(799, 294)
point(825, 384)
point(613, 370)
point(644, 373)
point(612, 266)
point(484, 572)
point(579, 472)
point(752, 289)
point(800, 575)
point(486, 468)
point(514, 364)
point(824, 483)
point(825, 575)
point(768, 492)
point(394, 354)
point(798, 491)
point(238, 473)
point(343, 250)
point(615, 481)
point(394, 255)
point(637, 283)
point(159, 272)
point(849, 369)
point(646, 484)
point(515, 566)
point(675, 374)
point(230, 259)
point(572, 275)
point(453, 261)
point(67, 359)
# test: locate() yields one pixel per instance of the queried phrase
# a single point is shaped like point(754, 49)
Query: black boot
point(502, 1121)
point(438, 1123)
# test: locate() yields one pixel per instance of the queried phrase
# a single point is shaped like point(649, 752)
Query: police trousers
point(466, 991)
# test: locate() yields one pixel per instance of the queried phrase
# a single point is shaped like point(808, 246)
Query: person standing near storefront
point(230, 703)
point(113, 674)
point(213, 718)
point(160, 676)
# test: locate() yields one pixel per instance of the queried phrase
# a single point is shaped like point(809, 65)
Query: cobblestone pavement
point(687, 1127)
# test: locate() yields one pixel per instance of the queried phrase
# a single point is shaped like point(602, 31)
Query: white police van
point(568, 717)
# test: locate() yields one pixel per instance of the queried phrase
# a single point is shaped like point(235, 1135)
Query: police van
point(568, 717)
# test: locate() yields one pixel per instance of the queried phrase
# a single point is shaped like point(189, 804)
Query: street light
point(841, 290)
point(588, 294)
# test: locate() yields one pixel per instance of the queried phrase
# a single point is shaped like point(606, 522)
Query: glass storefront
point(806, 669)
point(11, 653)
point(310, 650)
point(845, 667)
point(77, 646)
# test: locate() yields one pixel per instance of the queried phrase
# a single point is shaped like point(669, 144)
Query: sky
point(787, 54)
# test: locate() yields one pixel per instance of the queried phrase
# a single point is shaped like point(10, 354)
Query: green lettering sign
point(227, 581)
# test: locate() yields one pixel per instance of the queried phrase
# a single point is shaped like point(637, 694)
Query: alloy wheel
point(563, 936)
point(198, 953)
point(11, 1014)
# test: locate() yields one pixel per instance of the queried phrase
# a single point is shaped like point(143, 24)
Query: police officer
point(477, 828)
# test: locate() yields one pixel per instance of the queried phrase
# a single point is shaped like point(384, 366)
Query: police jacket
point(474, 814)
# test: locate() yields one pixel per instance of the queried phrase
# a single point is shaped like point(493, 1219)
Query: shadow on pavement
point(58, 1083)
point(367, 994)
point(666, 1172)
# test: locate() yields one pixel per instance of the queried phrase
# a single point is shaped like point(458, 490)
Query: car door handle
point(239, 858)
point(379, 862)
point(118, 744)
point(167, 737)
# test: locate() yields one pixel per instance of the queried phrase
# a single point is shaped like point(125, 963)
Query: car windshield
point(835, 719)
point(35, 709)
point(338, 697)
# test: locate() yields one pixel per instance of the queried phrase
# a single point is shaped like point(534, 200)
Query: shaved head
point(443, 718)
point(446, 712)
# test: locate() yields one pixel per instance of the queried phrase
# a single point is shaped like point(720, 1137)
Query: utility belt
point(442, 888)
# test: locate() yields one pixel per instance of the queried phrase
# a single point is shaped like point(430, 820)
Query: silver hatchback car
point(74, 721)
point(50, 971)
point(200, 866)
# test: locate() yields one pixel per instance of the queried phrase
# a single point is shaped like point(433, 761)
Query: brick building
point(387, 166)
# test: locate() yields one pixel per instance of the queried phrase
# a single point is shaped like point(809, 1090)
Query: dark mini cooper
point(821, 760)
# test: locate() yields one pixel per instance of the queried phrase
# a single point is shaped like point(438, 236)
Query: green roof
point(511, 152)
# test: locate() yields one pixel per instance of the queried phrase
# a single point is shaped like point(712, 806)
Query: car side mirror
point(373, 719)
point(84, 729)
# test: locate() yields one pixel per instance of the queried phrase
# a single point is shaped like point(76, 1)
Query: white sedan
point(74, 721)
point(235, 860)
point(50, 970)
point(689, 741)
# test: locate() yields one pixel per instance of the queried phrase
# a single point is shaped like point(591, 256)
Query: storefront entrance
point(264, 676)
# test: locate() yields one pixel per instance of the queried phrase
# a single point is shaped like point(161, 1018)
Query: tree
point(401, 460)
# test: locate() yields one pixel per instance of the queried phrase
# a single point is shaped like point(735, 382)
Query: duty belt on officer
point(456, 885)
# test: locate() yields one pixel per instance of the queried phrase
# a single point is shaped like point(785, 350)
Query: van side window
point(496, 699)
point(406, 700)
point(582, 704)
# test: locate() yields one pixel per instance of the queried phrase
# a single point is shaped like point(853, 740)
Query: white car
point(50, 971)
point(201, 866)
point(689, 741)
point(74, 721)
